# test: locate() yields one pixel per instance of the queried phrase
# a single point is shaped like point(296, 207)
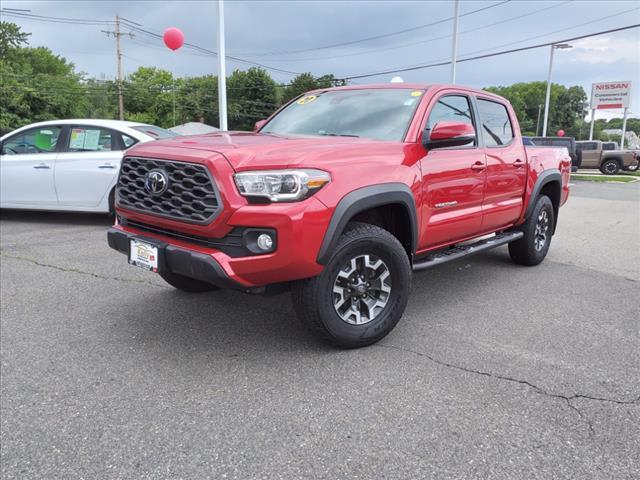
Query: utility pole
point(117, 34)
point(222, 74)
point(454, 47)
point(548, 94)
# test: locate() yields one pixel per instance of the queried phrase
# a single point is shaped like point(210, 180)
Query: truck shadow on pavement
point(233, 323)
point(62, 218)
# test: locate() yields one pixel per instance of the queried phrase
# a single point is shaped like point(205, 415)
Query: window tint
point(496, 125)
point(610, 146)
point(88, 139)
point(588, 146)
point(451, 108)
point(128, 141)
point(35, 140)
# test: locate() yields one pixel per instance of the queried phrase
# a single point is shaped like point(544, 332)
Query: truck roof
point(412, 86)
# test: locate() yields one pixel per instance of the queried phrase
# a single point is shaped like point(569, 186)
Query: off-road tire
point(610, 167)
point(314, 298)
point(187, 284)
point(524, 251)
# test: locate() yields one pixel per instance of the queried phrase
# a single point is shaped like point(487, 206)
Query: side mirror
point(448, 134)
point(258, 125)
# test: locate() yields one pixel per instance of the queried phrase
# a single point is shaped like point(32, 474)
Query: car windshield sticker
point(307, 99)
point(416, 93)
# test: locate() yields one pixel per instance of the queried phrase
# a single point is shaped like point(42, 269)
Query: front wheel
point(363, 291)
point(532, 248)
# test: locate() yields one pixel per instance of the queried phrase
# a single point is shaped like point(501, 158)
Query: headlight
point(281, 185)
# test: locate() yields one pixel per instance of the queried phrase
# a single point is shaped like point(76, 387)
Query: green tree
point(198, 100)
point(36, 84)
point(251, 96)
point(305, 82)
point(565, 112)
point(149, 96)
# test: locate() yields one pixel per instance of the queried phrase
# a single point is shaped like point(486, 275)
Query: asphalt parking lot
point(496, 371)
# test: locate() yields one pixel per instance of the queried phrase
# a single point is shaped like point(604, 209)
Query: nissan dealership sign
point(610, 95)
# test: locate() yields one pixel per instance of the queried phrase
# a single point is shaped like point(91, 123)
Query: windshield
point(378, 114)
point(155, 132)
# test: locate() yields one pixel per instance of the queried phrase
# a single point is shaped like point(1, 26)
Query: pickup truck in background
point(595, 154)
point(568, 142)
point(339, 197)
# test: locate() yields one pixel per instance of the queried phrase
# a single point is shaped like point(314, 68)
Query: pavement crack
point(566, 398)
point(76, 270)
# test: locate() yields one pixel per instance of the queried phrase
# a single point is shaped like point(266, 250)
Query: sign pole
point(222, 74)
point(548, 95)
point(624, 128)
point(593, 118)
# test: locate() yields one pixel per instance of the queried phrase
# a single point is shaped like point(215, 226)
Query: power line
point(45, 18)
point(478, 57)
point(428, 40)
point(375, 37)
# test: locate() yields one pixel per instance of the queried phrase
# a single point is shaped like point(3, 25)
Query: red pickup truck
point(339, 196)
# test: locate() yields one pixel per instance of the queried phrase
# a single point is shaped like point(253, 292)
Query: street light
point(546, 101)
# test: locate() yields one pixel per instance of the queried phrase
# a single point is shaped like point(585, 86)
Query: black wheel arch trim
point(363, 199)
point(545, 178)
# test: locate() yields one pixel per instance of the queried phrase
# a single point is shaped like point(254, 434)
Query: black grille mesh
point(191, 195)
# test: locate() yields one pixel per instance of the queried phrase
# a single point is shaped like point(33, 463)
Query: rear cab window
point(495, 122)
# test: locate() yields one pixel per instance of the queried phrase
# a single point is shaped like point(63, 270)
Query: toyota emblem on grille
point(156, 182)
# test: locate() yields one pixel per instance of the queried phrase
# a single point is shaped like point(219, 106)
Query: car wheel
point(363, 291)
point(610, 167)
point(112, 203)
point(187, 284)
point(532, 248)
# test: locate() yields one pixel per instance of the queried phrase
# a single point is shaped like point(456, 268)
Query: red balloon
point(173, 38)
point(560, 133)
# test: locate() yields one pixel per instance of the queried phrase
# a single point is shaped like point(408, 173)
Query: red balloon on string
point(173, 38)
point(560, 133)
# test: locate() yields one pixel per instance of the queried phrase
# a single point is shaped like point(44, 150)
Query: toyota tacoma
point(339, 197)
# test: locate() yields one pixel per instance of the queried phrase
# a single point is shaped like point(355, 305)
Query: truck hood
point(247, 150)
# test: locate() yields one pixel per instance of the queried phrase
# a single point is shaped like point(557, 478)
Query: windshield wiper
point(339, 135)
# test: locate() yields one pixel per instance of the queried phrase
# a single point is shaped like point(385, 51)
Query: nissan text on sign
point(610, 95)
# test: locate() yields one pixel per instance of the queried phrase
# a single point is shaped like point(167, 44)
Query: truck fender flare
point(545, 178)
point(364, 199)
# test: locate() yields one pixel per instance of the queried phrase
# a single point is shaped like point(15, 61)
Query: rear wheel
point(610, 167)
point(363, 291)
point(187, 284)
point(532, 248)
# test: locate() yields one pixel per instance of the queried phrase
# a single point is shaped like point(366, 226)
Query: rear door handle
point(478, 166)
point(518, 163)
point(106, 165)
point(43, 166)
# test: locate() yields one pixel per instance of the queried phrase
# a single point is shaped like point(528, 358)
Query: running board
point(457, 252)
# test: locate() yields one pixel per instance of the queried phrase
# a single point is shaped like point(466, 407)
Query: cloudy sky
point(301, 36)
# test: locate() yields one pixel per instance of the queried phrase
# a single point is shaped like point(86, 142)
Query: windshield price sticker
point(307, 99)
point(416, 93)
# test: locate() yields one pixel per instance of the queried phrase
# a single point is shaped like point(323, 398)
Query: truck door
point(452, 180)
point(590, 154)
point(506, 166)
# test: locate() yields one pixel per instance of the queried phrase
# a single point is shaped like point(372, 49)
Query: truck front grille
point(190, 195)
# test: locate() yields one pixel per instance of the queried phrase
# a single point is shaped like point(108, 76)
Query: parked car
point(568, 142)
point(67, 164)
point(339, 196)
point(609, 162)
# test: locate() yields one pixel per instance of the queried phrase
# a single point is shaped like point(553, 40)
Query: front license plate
point(143, 255)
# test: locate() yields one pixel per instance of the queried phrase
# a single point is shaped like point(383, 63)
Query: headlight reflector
point(281, 185)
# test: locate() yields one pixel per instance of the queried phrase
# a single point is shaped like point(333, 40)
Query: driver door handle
point(478, 166)
point(518, 163)
point(106, 165)
point(42, 166)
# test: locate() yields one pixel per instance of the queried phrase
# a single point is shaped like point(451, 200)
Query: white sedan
point(67, 164)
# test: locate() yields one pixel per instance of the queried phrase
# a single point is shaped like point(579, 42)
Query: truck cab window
point(496, 124)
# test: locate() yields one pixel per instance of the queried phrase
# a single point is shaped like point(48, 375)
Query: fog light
point(264, 242)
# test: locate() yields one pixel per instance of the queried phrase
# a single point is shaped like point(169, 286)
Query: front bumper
point(299, 228)
point(196, 265)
